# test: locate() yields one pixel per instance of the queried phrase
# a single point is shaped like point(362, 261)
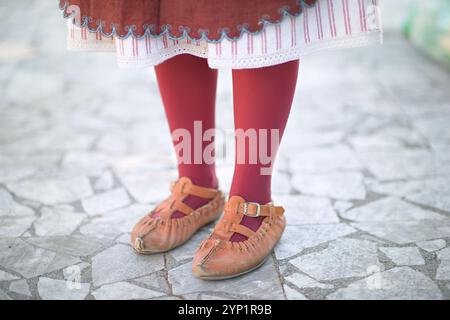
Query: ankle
point(206, 181)
point(261, 198)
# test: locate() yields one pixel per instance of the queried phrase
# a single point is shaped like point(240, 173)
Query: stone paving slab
point(363, 173)
point(260, 284)
point(398, 283)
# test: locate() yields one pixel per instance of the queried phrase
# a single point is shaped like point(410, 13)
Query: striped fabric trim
point(328, 20)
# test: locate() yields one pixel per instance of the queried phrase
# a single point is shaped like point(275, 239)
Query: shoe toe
point(146, 239)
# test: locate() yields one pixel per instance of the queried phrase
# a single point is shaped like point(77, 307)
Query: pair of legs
point(262, 100)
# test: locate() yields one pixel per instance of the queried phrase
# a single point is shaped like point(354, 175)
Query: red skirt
point(210, 20)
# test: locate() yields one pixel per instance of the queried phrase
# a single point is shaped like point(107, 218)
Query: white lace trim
point(297, 53)
point(251, 62)
point(322, 27)
point(157, 58)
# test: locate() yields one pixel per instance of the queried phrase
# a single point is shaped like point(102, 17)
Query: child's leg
point(188, 90)
point(262, 100)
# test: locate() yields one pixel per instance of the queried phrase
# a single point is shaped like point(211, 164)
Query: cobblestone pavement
point(84, 150)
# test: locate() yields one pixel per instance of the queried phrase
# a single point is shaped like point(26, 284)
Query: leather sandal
point(219, 258)
point(160, 233)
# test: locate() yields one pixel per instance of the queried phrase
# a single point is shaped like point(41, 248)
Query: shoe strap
point(227, 226)
point(184, 186)
point(180, 206)
point(235, 209)
point(253, 209)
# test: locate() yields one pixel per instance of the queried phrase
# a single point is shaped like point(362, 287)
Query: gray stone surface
point(3, 295)
point(85, 163)
point(75, 270)
point(344, 258)
point(125, 238)
point(403, 232)
point(15, 226)
point(303, 281)
point(260, 284)
point(431, 245)
point(53, 190)
point(20, 287)
point(297, 238)
point(399, 283)
point(313, 138)
point(54, 222)
point(211, 297)
point(389, 209)
point(113, 223)
point(120, 263)
point(404, 188)
point(281, 183)
point(9, 207)
point(439, 200)
point(72, 245)
point(106, 201)
point(342, 206)
point(333, 158)
point(105, 182)
point(16, 166)
point(29, 261)
point(392, 138)
point(145, 187)
point(443, 271)
point(340, 185)
point(406, 256)
point(156, 281)
point(187, 250)
point(307, 210)
point(292, 294)
point(51, 289)
point(405, 164)
point(5, 276)
point(124, 291)
point(15, 218)
point(359, 171)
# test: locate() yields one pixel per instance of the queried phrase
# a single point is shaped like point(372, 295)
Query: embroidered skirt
point(271, 32)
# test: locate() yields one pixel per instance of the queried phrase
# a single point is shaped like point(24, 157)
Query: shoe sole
point(214, 278)
point(149, 252)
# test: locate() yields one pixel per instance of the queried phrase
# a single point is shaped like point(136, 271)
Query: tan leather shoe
point(219, 258)
point(160, 233)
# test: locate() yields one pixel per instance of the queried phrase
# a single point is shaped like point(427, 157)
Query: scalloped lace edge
point(166, 29)
point(294, 54)
point(365, 39)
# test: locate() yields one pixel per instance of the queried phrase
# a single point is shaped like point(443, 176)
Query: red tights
point(262, 100)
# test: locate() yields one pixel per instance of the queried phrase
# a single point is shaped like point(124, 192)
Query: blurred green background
point(428, 26)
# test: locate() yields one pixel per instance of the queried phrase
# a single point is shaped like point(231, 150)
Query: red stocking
point(262, 100)
point(188, 90)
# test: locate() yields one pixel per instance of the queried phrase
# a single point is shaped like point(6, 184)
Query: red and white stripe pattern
point(149, 46)
point(330, 23)
point(319, 21)
point(331, 19)
point(81, 39)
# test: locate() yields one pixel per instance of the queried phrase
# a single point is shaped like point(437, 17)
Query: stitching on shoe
point(259, 235)
point(210, 253)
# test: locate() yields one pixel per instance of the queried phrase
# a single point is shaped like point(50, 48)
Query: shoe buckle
point(258, 209)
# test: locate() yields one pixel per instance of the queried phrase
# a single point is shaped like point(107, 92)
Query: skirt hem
point(329, 25)
point(375, 37)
